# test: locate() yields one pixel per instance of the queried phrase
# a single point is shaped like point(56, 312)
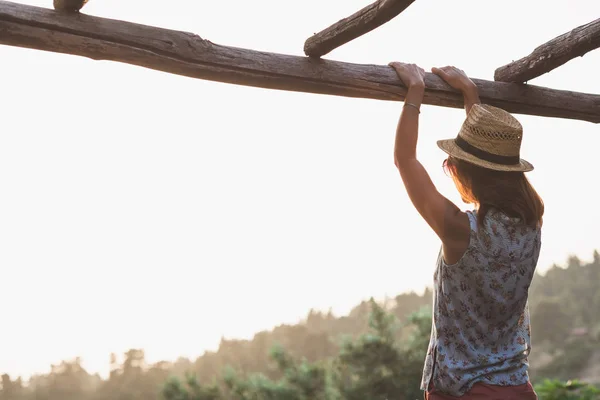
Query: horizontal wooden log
point(359, 23)
point(189, 55)
point(552, 54)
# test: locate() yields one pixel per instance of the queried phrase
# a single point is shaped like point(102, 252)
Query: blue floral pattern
point(480, 328)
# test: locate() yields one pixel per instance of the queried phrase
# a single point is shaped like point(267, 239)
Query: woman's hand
point(459, 80)
point(410, 74)
point(455, 77)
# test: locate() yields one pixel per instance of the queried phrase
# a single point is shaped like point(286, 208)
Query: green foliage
point(571, 390)
point(301, 381)
point(556, 323)
point(572, 356)
point(371, 367)
point(565, 319)
point(175, 389)
point(376, 366)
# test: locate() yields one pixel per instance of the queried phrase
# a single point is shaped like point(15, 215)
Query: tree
point(376, 367)
point(174, 389)
point(571, 390)
point(551, 322)
point(10, 389)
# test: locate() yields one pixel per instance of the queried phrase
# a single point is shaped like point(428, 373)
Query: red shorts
point(482, 391)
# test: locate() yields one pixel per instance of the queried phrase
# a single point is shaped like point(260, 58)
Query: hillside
point(565, 328)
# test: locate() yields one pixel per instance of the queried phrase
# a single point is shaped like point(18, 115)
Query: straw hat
point(491, 138)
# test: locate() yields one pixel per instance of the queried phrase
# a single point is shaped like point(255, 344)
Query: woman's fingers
point(446, 69)
point(404, 69)
point(439, 72)
point(397, 64)
point(409, 74)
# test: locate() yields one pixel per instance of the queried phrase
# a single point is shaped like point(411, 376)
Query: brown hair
point(509, 192)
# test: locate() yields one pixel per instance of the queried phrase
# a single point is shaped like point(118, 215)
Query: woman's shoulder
point(499, 234)
point(495, 217)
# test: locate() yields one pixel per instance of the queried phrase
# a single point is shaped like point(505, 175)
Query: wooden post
point(359, 23)
point(552, 54)
point(187, 54)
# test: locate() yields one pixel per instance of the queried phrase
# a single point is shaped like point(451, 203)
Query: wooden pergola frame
point(189, 55)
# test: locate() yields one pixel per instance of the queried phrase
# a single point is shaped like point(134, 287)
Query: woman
point(480, 337)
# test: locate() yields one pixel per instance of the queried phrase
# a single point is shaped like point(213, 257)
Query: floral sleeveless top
point(480, 329)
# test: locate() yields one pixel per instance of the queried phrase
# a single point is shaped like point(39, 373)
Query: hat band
point(484, 155)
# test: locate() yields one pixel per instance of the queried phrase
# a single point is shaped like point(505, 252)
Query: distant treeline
point(377, 348)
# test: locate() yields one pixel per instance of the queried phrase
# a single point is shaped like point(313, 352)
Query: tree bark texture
point(359, 23)
point(552, 54)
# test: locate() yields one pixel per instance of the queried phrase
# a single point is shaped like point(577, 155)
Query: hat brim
point(452, 149)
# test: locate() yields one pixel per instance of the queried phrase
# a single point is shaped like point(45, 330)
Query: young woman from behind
point(480, 339)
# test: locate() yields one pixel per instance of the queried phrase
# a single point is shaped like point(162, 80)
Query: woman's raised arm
point(449, 223)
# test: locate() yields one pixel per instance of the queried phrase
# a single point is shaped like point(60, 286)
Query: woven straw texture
point(493, 130)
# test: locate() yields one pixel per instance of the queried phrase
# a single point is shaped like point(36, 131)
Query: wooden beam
point(359, 23)
point(552, 54)
point(189, 55)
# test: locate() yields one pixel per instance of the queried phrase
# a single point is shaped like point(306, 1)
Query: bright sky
point(141, 209)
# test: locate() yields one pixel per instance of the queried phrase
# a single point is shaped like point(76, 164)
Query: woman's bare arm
point(447, 221)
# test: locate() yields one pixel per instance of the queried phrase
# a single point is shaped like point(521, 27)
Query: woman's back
point(481, 330)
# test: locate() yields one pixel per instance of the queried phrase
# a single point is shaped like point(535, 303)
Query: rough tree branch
point(189, 55)
point(359, 23)
point(552, 54)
